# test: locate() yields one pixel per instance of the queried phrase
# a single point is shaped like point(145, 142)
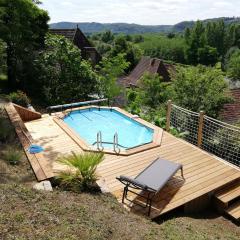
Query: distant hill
point(93, 27)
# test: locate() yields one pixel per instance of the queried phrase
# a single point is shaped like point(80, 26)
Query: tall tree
point(23, 27)
point(63, 75)
point(131, 52)
point(195, 40)
point(109, 70)
point(200, 88)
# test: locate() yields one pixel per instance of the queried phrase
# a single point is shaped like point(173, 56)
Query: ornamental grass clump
point(12, 156)
point(81, 175)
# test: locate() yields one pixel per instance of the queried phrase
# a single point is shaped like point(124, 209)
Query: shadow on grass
point(207, 214)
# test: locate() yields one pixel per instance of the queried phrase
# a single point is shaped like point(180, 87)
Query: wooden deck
point(203, 172)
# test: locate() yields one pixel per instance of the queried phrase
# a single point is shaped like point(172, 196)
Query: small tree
point(109, 70)
point(149, 98)
point(63, 75)
point(152, 90)
point(200, 88)
point(233, 66)
point(82, 172)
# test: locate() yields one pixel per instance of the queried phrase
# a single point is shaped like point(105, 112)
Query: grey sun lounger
point(151, 180)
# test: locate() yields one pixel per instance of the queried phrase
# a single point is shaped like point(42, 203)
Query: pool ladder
point(115, 143)
point(99, 141)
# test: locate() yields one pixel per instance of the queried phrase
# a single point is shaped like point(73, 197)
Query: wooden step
point(228, 193)
point(234, 210)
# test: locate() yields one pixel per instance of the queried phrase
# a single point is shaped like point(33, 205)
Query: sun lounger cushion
point(156, 175)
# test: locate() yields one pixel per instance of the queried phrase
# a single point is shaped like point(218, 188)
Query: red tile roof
point(231, 111)
point(147, 64)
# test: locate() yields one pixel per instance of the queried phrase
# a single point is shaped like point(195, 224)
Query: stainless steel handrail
point(99, 141)
point(115, 143)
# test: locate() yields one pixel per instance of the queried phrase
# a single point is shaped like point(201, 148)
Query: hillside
point(126, 28)
point(65, 215)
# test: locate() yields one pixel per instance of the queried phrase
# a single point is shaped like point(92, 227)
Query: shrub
point(82, 172)
point(6, 130)
point(12, 156)
point(19, 98)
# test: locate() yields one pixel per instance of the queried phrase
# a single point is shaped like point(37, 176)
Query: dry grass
point(28, 214)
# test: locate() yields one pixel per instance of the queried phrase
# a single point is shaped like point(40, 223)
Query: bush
point(6, 129)
point(12, 156)
point(82, 172)
point(19, 98)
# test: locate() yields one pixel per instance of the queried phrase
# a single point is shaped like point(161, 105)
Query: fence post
point(200, 128)
point(169, 109)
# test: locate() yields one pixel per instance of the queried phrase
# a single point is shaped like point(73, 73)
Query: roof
point(67, 33)
point(81, 41)
point(75, 35)
point(151, 65)
point(231, 111)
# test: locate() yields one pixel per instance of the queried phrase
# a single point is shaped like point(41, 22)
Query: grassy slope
point(28, 214)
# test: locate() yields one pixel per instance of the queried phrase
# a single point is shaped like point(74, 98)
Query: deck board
point(203, 172)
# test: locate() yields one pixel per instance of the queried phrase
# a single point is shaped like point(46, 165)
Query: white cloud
point(139, 11)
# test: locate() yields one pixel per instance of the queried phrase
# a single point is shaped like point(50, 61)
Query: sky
point(146, 12)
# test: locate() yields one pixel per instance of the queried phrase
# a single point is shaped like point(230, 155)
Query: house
point(147, 64)
point(231, 111)
point(80, 40)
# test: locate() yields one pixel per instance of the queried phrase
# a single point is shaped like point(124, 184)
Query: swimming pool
point(89, 122)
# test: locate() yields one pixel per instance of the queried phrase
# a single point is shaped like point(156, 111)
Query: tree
point(109, 70)
point(22, 26)
point(200, 88)
point(107, 36)
point(195, 40)
point(2, 57)
point(207, 55)
point(63, 75)
point(152, 90)
point(131, 52)
point(233, 66)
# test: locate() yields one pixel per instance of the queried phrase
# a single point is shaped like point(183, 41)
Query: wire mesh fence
point(186, 122)
point(221, 139)
point(216, 137)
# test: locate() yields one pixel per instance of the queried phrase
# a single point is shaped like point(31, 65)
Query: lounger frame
point(131, 185)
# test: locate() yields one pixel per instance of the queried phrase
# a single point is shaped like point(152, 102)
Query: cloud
point(139, 11)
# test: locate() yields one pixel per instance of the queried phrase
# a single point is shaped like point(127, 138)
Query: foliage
point(19, 98)
point(2, 57)
point(12, 156)
point(233, 66)
point(109, 70)
point(151, 93)
point(200, 88)
point(63, 76)
point(131, 52)
point(107, 36)
point(152, 90)
point(22, 26)
point(208, 43)
point(160, 46)
point(83, 170)
point(6, 129)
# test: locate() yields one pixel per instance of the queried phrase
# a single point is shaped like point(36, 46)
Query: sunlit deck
point(203, 172)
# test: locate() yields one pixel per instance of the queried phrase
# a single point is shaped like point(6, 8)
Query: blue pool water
point(87, 123)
